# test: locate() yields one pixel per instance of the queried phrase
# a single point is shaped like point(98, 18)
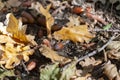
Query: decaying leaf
point(50, 72)
point(49, 18)
point(13, 3)
point(45, 12)
point(49, 53)
point(1, 5)
point(83, 77)
point(53, 72)
point(5, 39)
point(68, 72)
point(113, 54)
point(110, 70)
point(4, 73)
point(73, 21)
point(90, 61)
point(76, 34)
point(3, 29)
point(12, 43)
point(114, 45)
point(89, 64)
point(16, 28)
point(12, 54)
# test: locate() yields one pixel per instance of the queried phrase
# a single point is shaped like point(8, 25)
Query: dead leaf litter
point(59, 40)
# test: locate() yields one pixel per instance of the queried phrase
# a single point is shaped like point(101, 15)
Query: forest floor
point(59, 40)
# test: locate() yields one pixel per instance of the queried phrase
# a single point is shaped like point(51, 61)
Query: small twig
point(98, 50)
point(92, 53)
point(61, 7)
point(95, 17)
point(25, 67)
point(101, 30)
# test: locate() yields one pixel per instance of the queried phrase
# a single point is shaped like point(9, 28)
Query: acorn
point(31, 65)
point(77, 10)
point(41, 21)
point(28, 16)
point(40, 33)
point(56, 27)
point(59, 46)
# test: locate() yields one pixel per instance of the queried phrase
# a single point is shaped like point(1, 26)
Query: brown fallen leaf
point(90, 61)
point(13, 53)
point(83, 77)
point(110, 70)
point(1, 5)
point(13, 3)
point(49, 18)
point(49, 53)
point(75, 34)
point(16, 28)
point(74, 21)
point(113, 54)
point(88, 65)
point(114, 45)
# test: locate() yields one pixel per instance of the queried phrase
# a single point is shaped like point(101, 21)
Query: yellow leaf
point(49, 18)
point(74, 21)
point(49, 53)
point(75, 34)
point(16, 28)
point(13, 53)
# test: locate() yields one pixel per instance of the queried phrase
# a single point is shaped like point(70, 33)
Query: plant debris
point(59, 40)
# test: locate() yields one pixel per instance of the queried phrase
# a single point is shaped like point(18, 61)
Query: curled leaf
point(50, 72)
point(75, 34)
point(49, 53)
point(110, 70)
point(68, 72)
point(12, 54)
point(113, 54)
point(49, 18)
point(13, 3)
point(1, 4)
point(90, 61)
point(16, 28)
point(4, 73)
point(114, 45)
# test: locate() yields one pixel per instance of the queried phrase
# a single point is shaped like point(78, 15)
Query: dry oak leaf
point(1, 4)
point(74, 21)
point(83, 77)
point(113, 54)
point(75, 34)
point(49, 53)
point(49, 18)
point(110, 70)
point(88, 65)
point(13, 3)
point(16, 28)
point(114, 45)
point(12, 54)
point(90, 61)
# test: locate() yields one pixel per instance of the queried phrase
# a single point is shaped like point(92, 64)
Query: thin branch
point(98, 50)
point(25, 67)
point(101, 30)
